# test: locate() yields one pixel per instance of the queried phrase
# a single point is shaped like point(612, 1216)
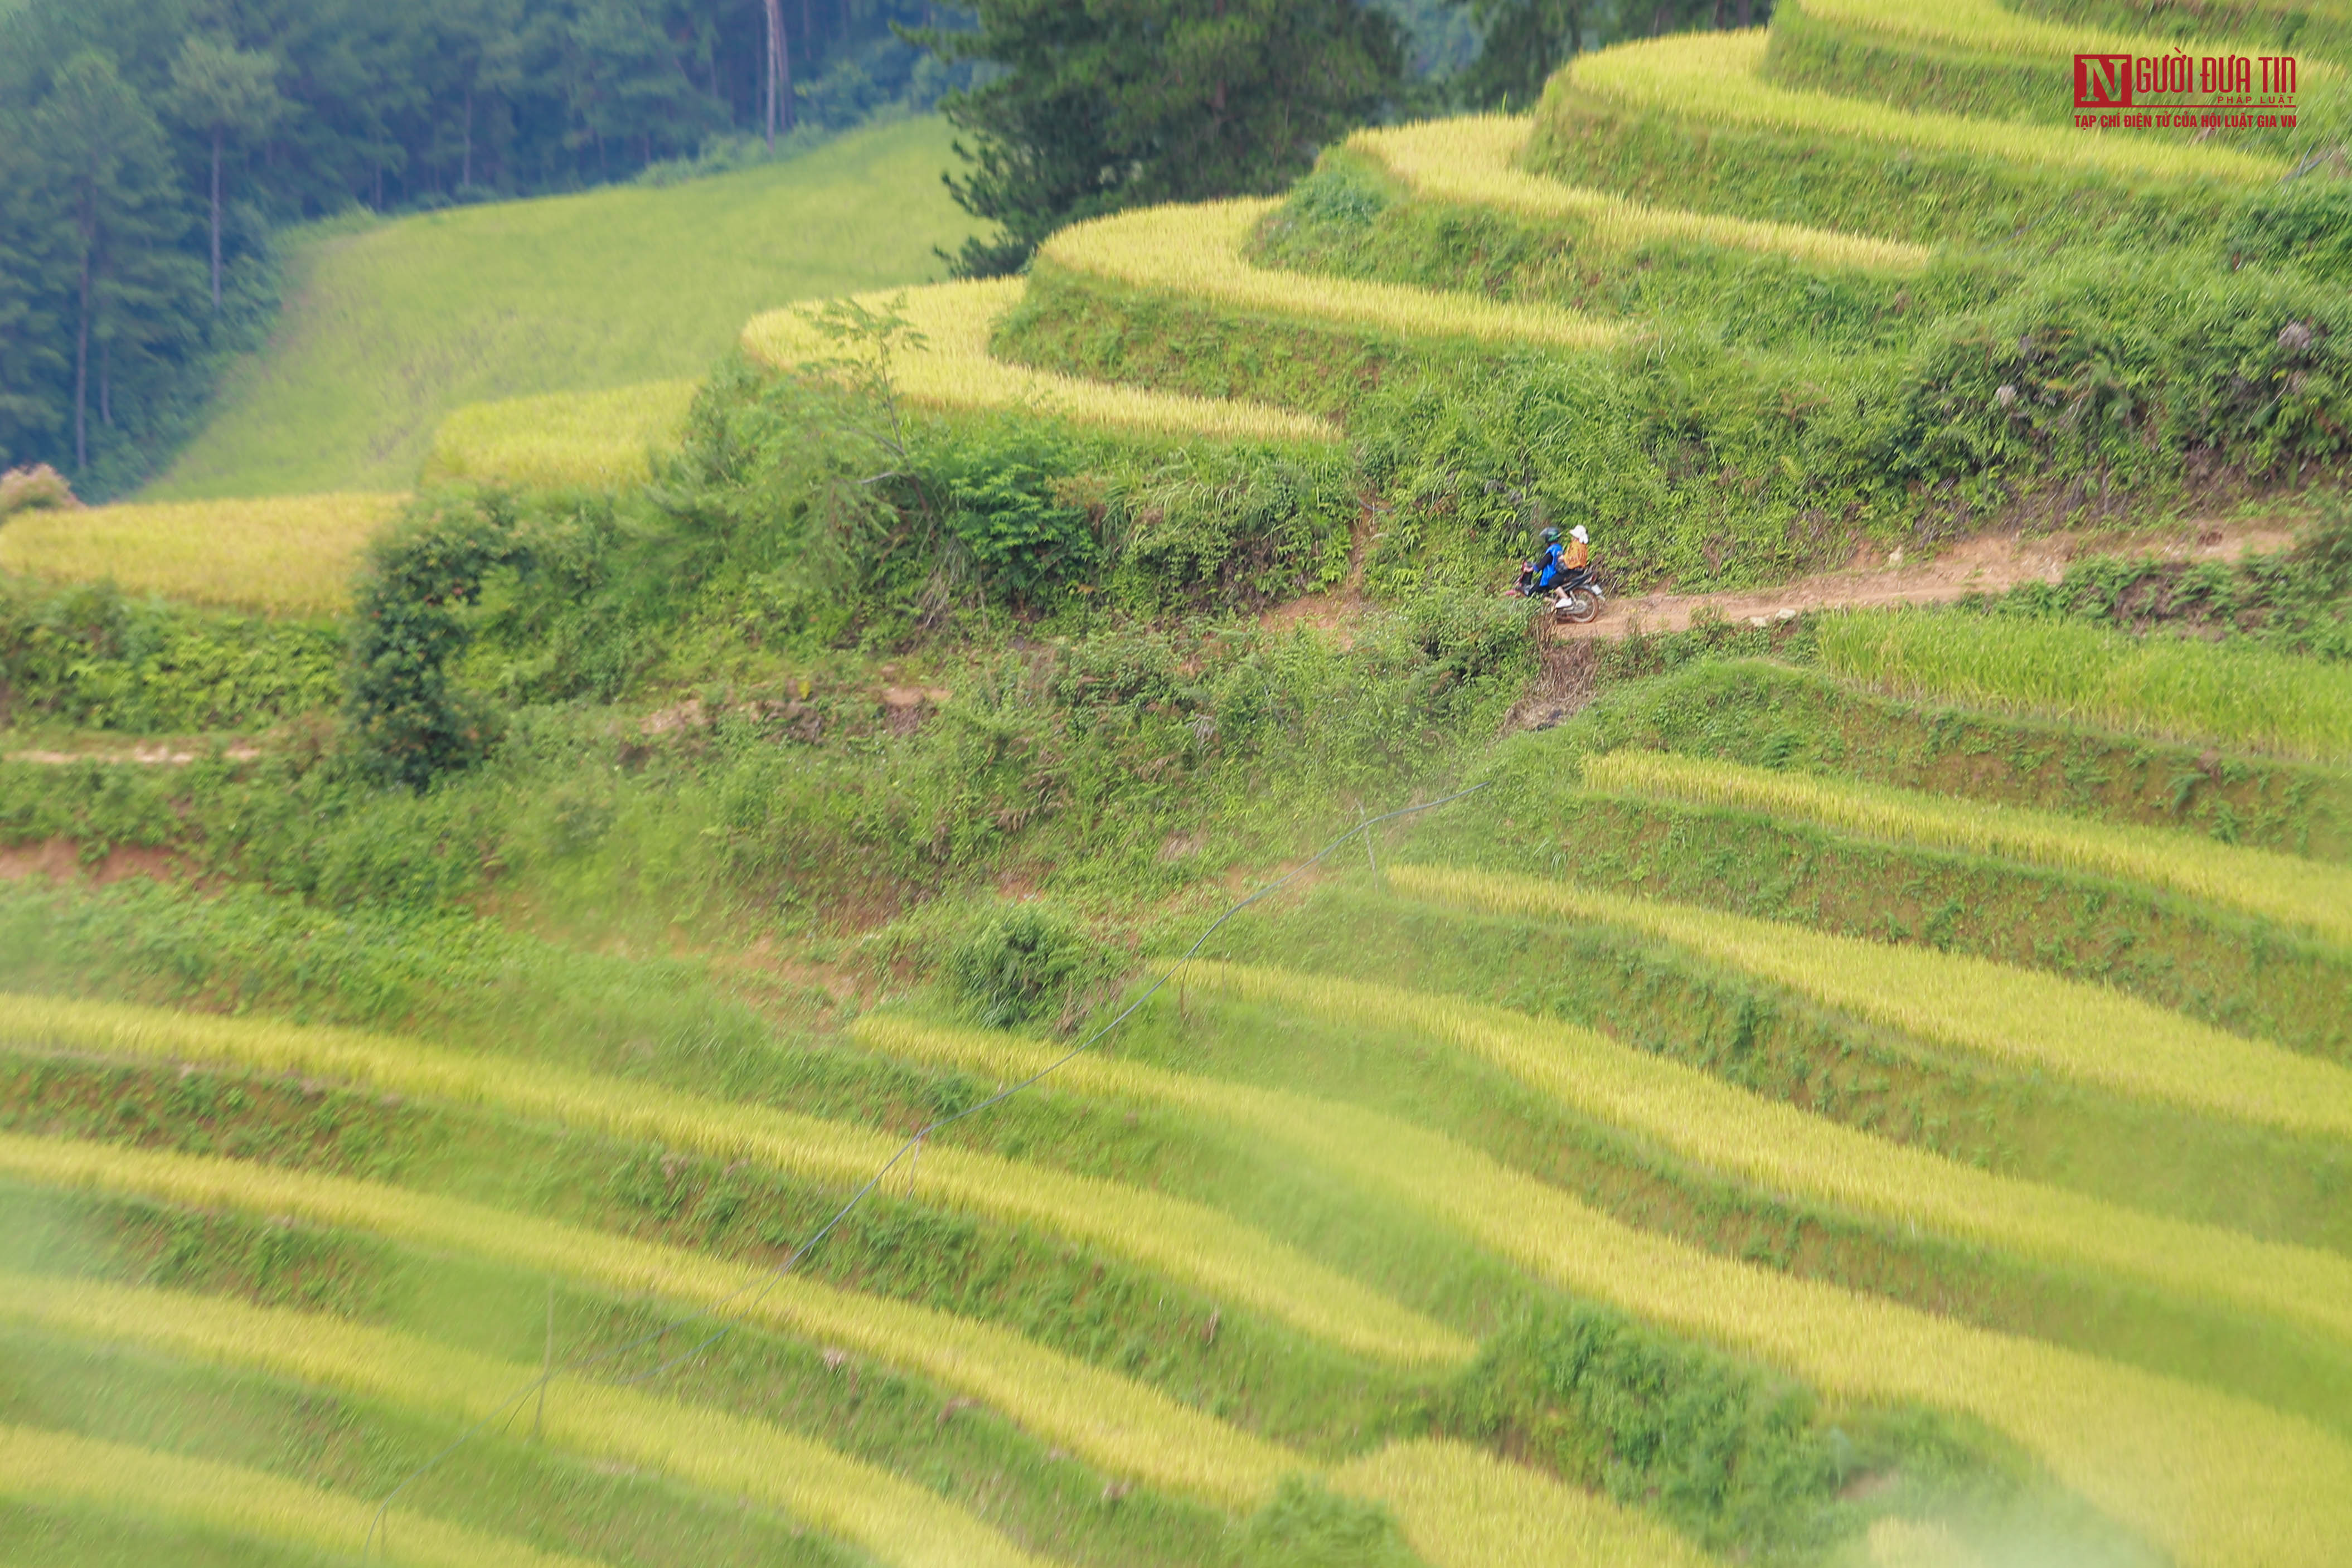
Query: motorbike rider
point(1544, 572)
point(1557, 565)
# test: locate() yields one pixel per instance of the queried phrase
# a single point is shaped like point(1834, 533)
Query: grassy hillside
point(387, 329)
point(560, 1049)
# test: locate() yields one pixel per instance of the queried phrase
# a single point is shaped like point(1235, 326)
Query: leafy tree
point(220, 91)
point(1104, 104)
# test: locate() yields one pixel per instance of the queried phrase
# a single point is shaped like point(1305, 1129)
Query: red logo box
point(2103, 81)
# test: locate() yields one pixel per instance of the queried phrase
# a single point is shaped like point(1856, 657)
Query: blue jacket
point(1548, 566)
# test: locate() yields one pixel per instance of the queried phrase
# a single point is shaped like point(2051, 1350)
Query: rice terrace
point(711, 853)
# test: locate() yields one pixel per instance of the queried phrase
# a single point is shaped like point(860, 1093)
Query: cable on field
point(755, 1290)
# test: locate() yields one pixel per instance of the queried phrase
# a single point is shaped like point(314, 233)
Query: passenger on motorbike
point(1576, 560)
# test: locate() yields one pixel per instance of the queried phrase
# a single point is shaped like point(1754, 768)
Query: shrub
point(35, 488)
point(1023, 963)
point(411, 722)
point(998, 488)
point(1725, 1450)
point(1305, 1526)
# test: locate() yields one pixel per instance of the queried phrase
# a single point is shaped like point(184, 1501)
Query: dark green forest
point(149, 149)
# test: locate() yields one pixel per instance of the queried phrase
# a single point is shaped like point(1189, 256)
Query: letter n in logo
point(2103, 81)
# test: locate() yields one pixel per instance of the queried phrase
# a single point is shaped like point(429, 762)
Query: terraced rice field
point(2197, 1467)
point(1473, 160)
point(1357, 1229)
point(951, 368)
point(558, 440)
point(1716, 77)
point(288, 555)
point(2295, 892)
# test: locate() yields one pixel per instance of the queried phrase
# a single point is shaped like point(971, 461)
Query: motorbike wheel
point(1579, 608)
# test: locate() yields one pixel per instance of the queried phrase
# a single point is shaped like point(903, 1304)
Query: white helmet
point(1579, 535)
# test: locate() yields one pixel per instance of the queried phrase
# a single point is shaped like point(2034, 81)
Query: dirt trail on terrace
point(1988, 564)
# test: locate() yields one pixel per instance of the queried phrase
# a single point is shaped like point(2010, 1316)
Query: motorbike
point(1575, 599)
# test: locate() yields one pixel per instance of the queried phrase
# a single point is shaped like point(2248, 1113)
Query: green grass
point(389, 329)
point(1671, 1149)
point(1775, 1042)
point(1984, 59)
point(1464, 1509)
point(554, 1498)
point(2228, 694)
point(1775, 715)
point(1688, 121)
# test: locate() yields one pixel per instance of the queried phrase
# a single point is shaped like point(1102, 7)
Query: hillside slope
point(386, 330)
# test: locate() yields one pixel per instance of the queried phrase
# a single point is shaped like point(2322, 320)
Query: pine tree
point(1104, 104)
point(221, 92)
point(118, 218)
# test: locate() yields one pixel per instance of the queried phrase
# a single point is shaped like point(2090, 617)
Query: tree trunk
point(465, 172)
point(774, 11)
point(106, 383)
point(81, 371)
point(217, 134)
point(783, 65)
point(1747, 12)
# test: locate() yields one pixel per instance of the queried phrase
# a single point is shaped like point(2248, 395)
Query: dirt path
point(1989, 564)
point(163, 754)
